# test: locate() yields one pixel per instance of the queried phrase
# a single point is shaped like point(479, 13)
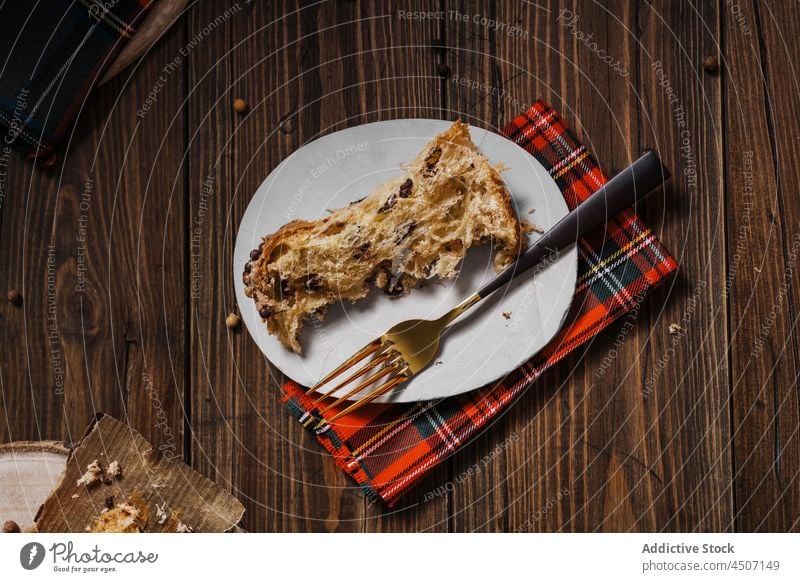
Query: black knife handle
point(623, 190)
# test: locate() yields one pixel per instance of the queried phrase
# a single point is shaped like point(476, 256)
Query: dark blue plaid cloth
point(53, 52)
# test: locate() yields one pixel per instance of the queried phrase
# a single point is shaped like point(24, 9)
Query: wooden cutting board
point(161, 487)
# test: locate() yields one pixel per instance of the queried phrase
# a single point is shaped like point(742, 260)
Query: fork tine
point(368, 349)
point(383, 389)
point(371, 380)
point(383, 355)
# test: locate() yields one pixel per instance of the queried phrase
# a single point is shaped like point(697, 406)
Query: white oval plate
point(484, 345)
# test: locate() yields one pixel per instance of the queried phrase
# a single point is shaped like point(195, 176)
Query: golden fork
point(410, 346)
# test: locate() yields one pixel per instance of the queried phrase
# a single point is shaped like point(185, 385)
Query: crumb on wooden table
point(675, 328)
point(13, 296)
point(124, 518)
point(183, 528)
point(232, 321)
point(92, 474)
point(240, 106)
point(114, 470)
point(161, 513)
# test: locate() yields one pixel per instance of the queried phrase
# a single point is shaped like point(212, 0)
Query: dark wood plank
point(605, 453)
point(305, 72)
point(476, 489)
point(761, 151)
point(229, 400)
point(544, 487)
point(146, 239)
point(402, 78)
point(684, 375)
point(581, 452)
point(98, 329)
point(32, 382)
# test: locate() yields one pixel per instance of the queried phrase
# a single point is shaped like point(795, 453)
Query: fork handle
point(634, 182)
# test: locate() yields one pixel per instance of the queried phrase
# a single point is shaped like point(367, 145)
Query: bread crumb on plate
point(529, 227)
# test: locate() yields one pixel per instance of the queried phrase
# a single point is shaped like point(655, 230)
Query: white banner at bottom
point(396, 557)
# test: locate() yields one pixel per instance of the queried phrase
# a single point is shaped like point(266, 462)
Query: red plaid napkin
point(389, 448)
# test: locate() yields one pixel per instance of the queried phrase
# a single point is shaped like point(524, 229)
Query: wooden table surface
point(123, 256)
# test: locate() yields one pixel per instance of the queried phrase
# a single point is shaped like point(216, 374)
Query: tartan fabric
point(386, 449)
point(54, 52)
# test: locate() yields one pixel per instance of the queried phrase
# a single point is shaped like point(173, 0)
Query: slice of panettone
point(412, 228)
